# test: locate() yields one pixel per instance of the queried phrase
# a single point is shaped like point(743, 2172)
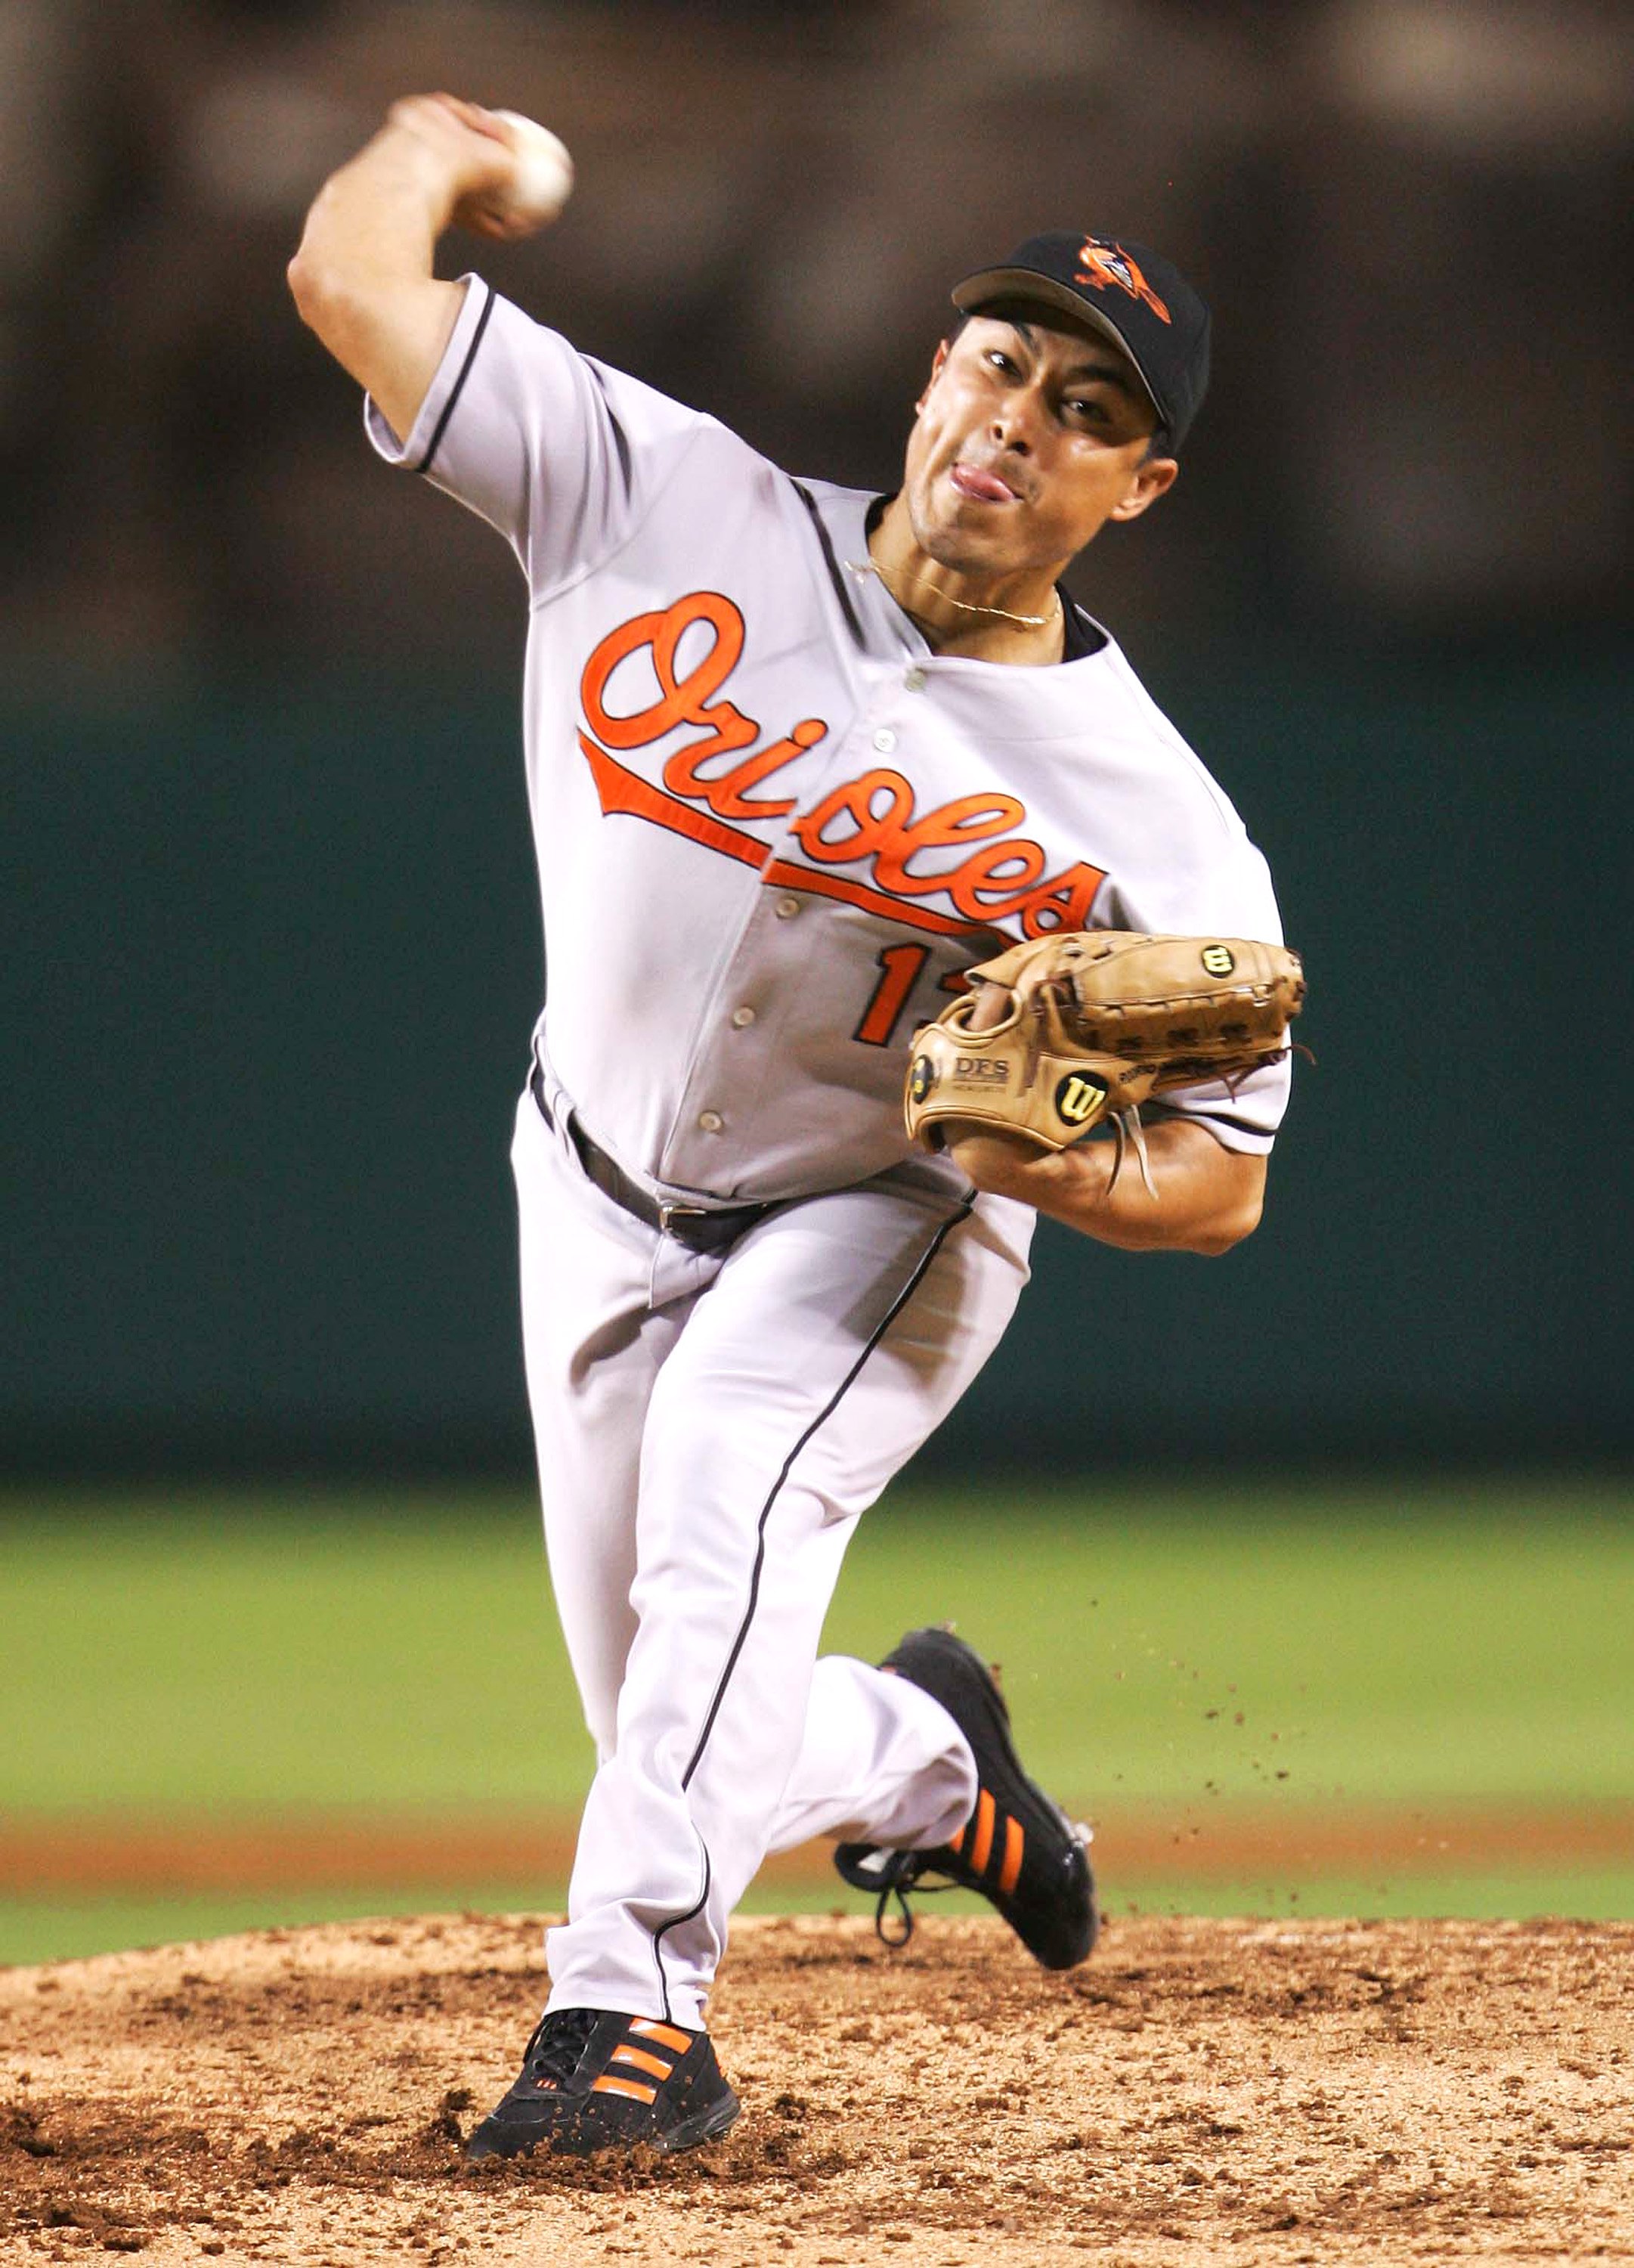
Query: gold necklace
point(965, 605)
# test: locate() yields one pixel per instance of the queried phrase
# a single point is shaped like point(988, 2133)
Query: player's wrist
point(1075, 1185)
point(1001, 1164)
point(443, 153)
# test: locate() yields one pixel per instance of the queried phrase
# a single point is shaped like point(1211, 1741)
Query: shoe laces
point(558, 2041)
point(893, 1873)
point(897, 1873)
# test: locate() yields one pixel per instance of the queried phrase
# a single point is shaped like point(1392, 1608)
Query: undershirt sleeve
point(559, 454)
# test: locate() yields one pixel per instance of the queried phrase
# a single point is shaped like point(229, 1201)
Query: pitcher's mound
point(1202, 2092)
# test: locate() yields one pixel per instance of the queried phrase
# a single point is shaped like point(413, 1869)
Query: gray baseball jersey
point(771, 823)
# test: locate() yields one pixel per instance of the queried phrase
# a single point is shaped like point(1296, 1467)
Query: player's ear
point(1153, 477)
point(939, 363)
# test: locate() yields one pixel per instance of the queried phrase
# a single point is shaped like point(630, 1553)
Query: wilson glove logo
point(1078, 1098)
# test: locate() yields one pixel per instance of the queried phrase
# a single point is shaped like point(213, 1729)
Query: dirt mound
point(1202, 2092)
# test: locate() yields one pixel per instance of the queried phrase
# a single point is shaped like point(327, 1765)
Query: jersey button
point(885, 741)
point(915, 681)
point(742, 1018)
point(710, 1121)
point(786, 909)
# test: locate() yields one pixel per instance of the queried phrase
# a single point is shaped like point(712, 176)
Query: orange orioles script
point(871, 820)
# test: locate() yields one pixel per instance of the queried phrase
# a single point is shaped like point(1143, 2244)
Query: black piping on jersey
point(841, 591)
point(822, 1419)
point(441, 427)
point(674, 1922)
point(620, 439)
point(1219, 1118)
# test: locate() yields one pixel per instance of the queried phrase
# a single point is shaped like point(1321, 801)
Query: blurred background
point(274, 949)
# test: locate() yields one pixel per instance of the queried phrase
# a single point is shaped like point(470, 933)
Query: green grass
point(238, 1654)
point(1512, 1893)
point(38, 1929)
point(1448, 1647)
point(33, 1929)
point(1423, 1646)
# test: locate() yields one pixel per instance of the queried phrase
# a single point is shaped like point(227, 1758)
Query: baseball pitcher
point(801, 758)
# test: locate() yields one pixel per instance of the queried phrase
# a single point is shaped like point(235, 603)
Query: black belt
point(700, 1228)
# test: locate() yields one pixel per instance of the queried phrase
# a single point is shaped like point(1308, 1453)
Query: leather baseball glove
point(1055, 1037)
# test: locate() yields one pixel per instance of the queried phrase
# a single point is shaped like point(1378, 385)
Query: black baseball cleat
point(1018, 1848)
point(593, 2079)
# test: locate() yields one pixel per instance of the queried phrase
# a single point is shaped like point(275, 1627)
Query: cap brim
point(979, 291)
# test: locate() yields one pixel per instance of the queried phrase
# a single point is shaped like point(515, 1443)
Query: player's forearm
point(363, 278)
point(383, 212)
point(374, 224)
point(1207, 1198)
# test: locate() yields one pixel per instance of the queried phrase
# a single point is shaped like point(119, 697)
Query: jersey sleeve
point(563, 455)
point(1223, 888)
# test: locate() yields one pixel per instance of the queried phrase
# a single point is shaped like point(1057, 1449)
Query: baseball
point(541, 179)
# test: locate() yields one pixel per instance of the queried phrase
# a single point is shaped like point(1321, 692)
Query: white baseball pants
point(708, 1429)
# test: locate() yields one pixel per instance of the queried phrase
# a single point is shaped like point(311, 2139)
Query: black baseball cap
point(1131, 293)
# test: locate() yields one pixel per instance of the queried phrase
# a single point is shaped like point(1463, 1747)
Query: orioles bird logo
point(1110, 263)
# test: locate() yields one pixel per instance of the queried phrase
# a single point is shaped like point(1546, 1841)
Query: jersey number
point(899, 972)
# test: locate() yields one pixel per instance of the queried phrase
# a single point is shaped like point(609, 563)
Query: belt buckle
point(668, 1212)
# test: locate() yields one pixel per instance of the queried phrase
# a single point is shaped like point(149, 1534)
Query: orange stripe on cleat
point(981, 1849)
point(634, 2087)
point(668, 2036)
point(1010, 1872)
point(642, 2061)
